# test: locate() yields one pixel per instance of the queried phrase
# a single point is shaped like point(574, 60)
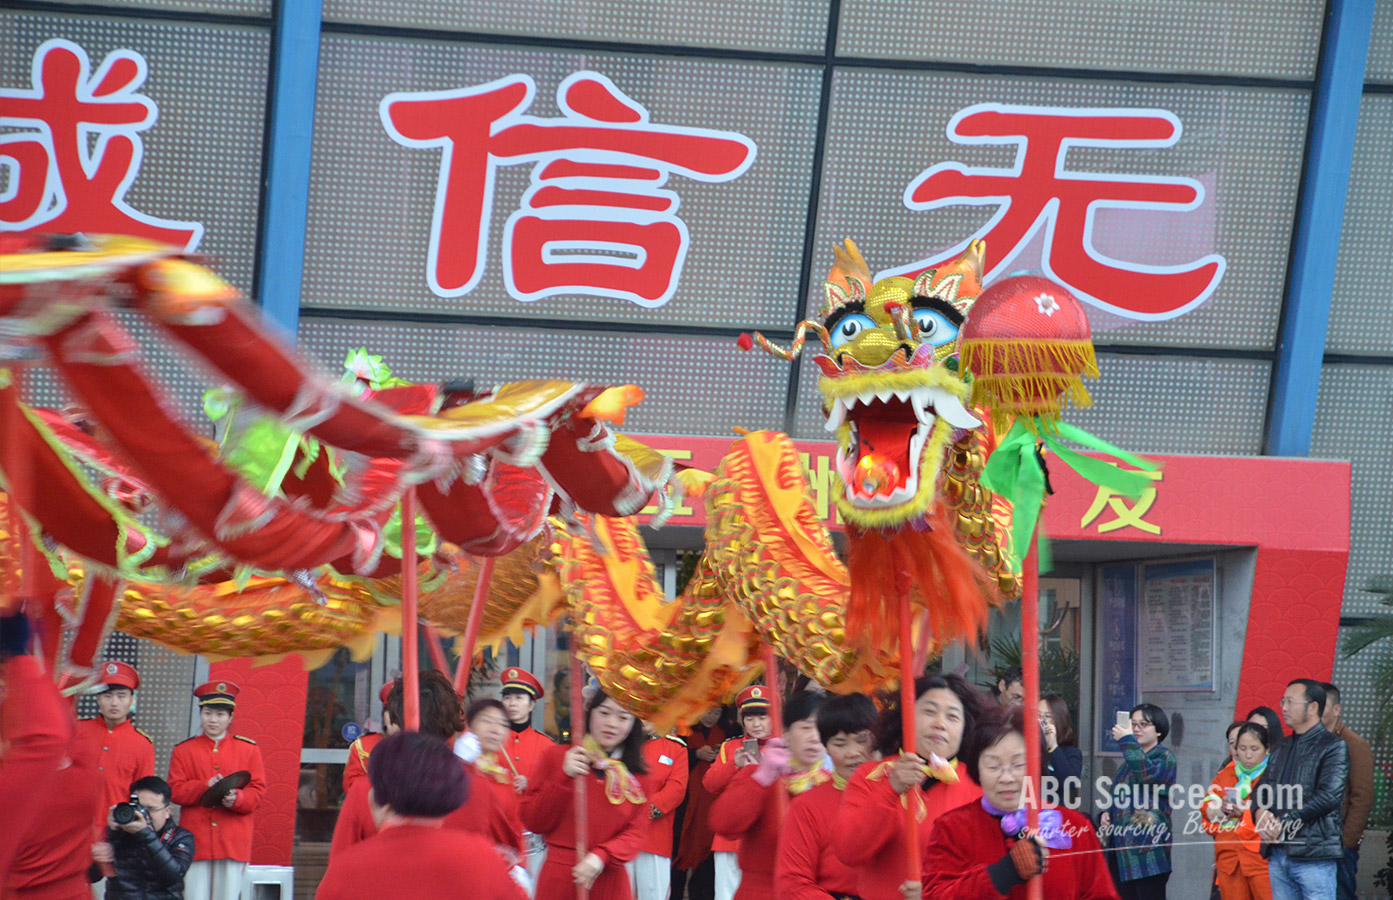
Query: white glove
point(467, 747)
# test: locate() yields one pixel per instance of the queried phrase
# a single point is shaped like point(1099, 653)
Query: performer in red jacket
point(982, 849)
point(483, 746)
point(750, 808)
point(695, 868)
point(526, 745)
point(807, 869)
point(120, 752)
point(222, 834)
point(752, 711)
point(416, 782)
point(665, 784)
point(610, 759)
point(361, 749)
point(442, 719)
point(870, 835)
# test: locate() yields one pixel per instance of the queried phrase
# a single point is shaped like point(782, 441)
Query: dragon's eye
point(934, 327)
point(849, 327)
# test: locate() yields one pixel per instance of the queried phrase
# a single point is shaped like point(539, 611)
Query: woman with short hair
point(609, 758)
point(1063, 758)
point(928, 779)
point(1139, 820)
point(1228, 816)
point(982, 849)
point(415, 783)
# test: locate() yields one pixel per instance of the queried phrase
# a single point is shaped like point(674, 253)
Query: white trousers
point(536, 855)
point(650, 875)
point(215, 879)
point(727, 875)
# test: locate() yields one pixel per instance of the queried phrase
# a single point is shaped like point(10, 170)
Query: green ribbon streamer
point(1014, 472)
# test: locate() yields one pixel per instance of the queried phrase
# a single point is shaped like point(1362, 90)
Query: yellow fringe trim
point(1029, 379)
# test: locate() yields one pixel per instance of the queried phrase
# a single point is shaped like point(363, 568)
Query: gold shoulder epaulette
point(241, 737)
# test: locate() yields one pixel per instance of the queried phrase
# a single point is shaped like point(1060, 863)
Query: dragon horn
point(748, 340)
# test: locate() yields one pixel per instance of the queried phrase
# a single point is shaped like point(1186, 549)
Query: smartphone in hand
point(1124, 719)
point(751, 748)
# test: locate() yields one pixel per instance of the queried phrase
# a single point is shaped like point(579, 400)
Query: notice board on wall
point(1177, 626)
point(1117, 649)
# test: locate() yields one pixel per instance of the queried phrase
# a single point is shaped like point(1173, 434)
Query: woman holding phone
point(1242, 872)
point(1138, 824)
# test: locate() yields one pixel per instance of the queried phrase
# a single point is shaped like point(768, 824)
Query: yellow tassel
point(1029, 379)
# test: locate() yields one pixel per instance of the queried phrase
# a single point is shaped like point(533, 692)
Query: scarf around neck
point(620, 784)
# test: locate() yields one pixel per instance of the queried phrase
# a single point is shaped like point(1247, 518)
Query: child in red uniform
point(609, 759)
point(416, 783)
point(665, 784)
point(442, 719)
point(870, 835)
point(807, 869)
point(981, 849)
point(752, 709)
point(750, 807)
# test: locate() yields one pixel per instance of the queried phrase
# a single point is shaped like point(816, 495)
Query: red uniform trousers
point(357, 765)
point(480, 814)
point(418, 862)
point(807, 869)
point(968, 839)
point(665, 784)
point(221, 832)
point(616, 831)
point(870, 832)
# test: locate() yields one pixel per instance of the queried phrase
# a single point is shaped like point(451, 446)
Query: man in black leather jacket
point(1300, 799)
point(151, 853)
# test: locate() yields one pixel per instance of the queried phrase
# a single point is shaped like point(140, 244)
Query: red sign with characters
point(596, 220)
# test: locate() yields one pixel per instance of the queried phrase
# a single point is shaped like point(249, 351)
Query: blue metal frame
point(1334, 117)
point(290, 134)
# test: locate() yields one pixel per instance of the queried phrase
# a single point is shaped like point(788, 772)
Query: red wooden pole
point(471, 629)
point(577, 735)
point(410, 657)
point(437, 655)
point(776, 718)
point(910, 742)
point(1030, 668)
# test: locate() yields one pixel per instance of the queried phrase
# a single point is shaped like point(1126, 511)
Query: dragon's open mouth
point(880, 464)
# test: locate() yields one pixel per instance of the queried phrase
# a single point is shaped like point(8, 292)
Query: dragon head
point(892, 384)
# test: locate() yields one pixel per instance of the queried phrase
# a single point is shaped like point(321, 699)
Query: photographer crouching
point(148, 851)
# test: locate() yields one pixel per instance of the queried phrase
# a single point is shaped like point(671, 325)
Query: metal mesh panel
point(202, 156)
point(793, 26)
point(371, 200)
point(1379, 66)
point(260, 8)
point(1149, 404)
point(694, 386)
point(1244, 145)
point(1241, 37)
point(1359, 320)
point(1354, 415)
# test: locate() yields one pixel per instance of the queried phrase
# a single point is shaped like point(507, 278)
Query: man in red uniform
point(223, 833)
point(751, 808)
point(361, 749)
point(807, 869)
point(665, 785)
point(752, 711)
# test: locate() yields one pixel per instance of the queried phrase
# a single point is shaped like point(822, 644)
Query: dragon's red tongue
point(888, 438)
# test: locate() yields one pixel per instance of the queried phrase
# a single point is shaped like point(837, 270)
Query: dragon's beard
point(893, 431)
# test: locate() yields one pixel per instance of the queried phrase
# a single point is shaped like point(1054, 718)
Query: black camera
point(126, 813)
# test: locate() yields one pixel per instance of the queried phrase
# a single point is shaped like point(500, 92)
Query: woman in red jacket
point(483, 746)
point(610, 758)
point(807, 869)
point(871, 833)
point(417, 782)
point(982, 849)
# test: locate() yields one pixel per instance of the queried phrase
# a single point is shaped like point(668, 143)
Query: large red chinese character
point(56, 177)
point(595, 219)
point(1040, 192)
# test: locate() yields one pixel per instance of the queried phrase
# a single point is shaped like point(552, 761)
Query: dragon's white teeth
point(950, 408)
point(902, 396)
point(836, 417)
point(885, 396)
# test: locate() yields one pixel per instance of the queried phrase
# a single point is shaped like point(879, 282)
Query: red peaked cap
point(113, 673)
point(752, 699)
point(516, 679)
point(217, 692)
